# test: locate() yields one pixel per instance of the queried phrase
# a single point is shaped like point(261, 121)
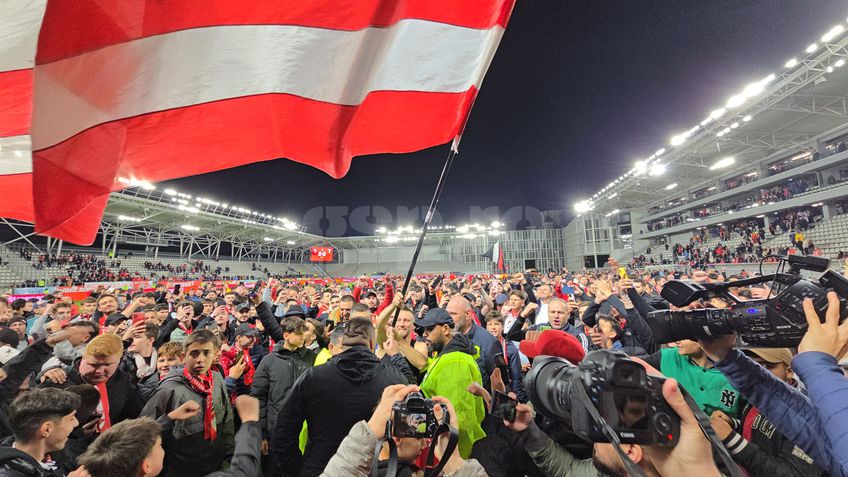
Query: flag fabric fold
point(152, 90)
point(19, 24)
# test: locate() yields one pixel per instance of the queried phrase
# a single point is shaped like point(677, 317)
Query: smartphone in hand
point(503, 406)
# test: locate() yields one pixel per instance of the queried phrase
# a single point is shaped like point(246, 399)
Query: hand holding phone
point(503, 406)
point(138, 317)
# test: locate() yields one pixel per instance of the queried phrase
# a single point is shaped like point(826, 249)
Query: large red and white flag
point(152, 90)
point(19, 22)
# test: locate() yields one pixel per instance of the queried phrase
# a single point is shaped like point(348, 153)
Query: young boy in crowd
point(168, 356)
point(201, 444)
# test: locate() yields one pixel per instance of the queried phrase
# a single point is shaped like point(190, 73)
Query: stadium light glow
point(613, 195)
point(832, 33)
point(126, 218)
point(657, 170)
point(381, 230)
point(747, 118)
point(392, 239)
point(735, 101)
point(290, 226)
point(671, 186)
point(720, 134)
point(660, 152)
point(290, 242)
point(191, 228)
point(734, 125)
point(580, 207)
point(496, 224)
point(268, 239)
point(170, 192)
point(717, 113)
point(791, 63)
point(722, 163)
point(678, 139)
point(839, 63)
point(812, 48)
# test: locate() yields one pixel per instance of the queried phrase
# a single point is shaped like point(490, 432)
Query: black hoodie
point(331, 398)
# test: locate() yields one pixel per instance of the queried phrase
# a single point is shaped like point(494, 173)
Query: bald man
point(487, 345)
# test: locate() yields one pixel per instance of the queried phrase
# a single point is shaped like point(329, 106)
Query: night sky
point(578, 91)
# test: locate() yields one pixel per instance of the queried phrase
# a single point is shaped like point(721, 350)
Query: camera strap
point(715, 442)
point(583, 398)
point(392, 463)
point(453, 440)
point(703, 423)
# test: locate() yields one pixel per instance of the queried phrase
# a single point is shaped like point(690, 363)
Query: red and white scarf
point(205, 385)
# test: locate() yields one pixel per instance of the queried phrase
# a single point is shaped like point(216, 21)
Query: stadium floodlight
point(290, 225)
point(660, 152)
point(289, 242)
point(791, 63)
point(722, 163)
point(126, 218)
point(720, 134)
point(496, 224)
point(392, 239)
point(735, 101)
point(753, 89)
point(832, 33)
point(678, 139)
point(747, 118)
point(580, 207)
point(812, 48)
point(613, 195)
point(718, 113)
point(381, 230)
point(734, 125)
point(726, 130)
point(671, 186)
point(268, 239)
point(462, 229)
point(829, 69)
point(189, 227)
point(470, 236)
point(839, 63)
point(170, 192)
point(657, 170)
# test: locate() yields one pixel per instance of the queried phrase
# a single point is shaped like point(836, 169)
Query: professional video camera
point(606, 393)
point(777, 321)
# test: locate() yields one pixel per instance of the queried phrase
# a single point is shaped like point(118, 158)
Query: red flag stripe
point(16, 197)
point(164, 145)
point(163, 72)
point(118, 22)
point(15, 102)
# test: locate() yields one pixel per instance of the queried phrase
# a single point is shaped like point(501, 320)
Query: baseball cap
point(554, 343)
point(500, 299)
point(772, 355)
point(371, 293)
point(246, 330)
point(115, 318)
point(243, 306)
point(434, 317)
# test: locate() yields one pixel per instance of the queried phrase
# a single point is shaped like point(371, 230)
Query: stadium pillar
point(826, 212)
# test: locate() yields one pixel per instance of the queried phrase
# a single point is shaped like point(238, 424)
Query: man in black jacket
point(331, 398)
point(277, 373)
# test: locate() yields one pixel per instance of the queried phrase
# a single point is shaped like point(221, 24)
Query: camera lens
point(548, 385)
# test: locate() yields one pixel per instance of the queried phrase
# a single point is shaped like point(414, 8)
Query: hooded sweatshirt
point(449, 375)
point(331, 398)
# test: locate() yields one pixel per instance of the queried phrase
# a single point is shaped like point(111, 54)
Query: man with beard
point(558, 313)
point(414, 351)
point(451, 372)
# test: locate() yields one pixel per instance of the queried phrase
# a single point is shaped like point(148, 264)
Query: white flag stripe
point(15, 155)
point(203, 65)
point(19, 24)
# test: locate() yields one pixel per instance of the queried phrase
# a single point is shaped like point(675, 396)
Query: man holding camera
point(451, 372)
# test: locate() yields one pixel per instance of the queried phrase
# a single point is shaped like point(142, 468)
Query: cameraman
point(691, 456)
point(817, 424)
point(355, 454)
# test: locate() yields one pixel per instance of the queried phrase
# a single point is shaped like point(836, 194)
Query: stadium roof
point(781, 112)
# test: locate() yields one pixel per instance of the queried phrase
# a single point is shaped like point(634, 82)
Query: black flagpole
point(440, 186)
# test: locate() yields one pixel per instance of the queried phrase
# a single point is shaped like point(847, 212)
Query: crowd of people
point(750, 249)
point(288, 379)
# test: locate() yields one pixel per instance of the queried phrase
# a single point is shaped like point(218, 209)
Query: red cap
point(554, 343)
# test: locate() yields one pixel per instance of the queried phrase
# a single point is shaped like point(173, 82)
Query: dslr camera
point(413, 417)
point(778, 321)
point(628, 400)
